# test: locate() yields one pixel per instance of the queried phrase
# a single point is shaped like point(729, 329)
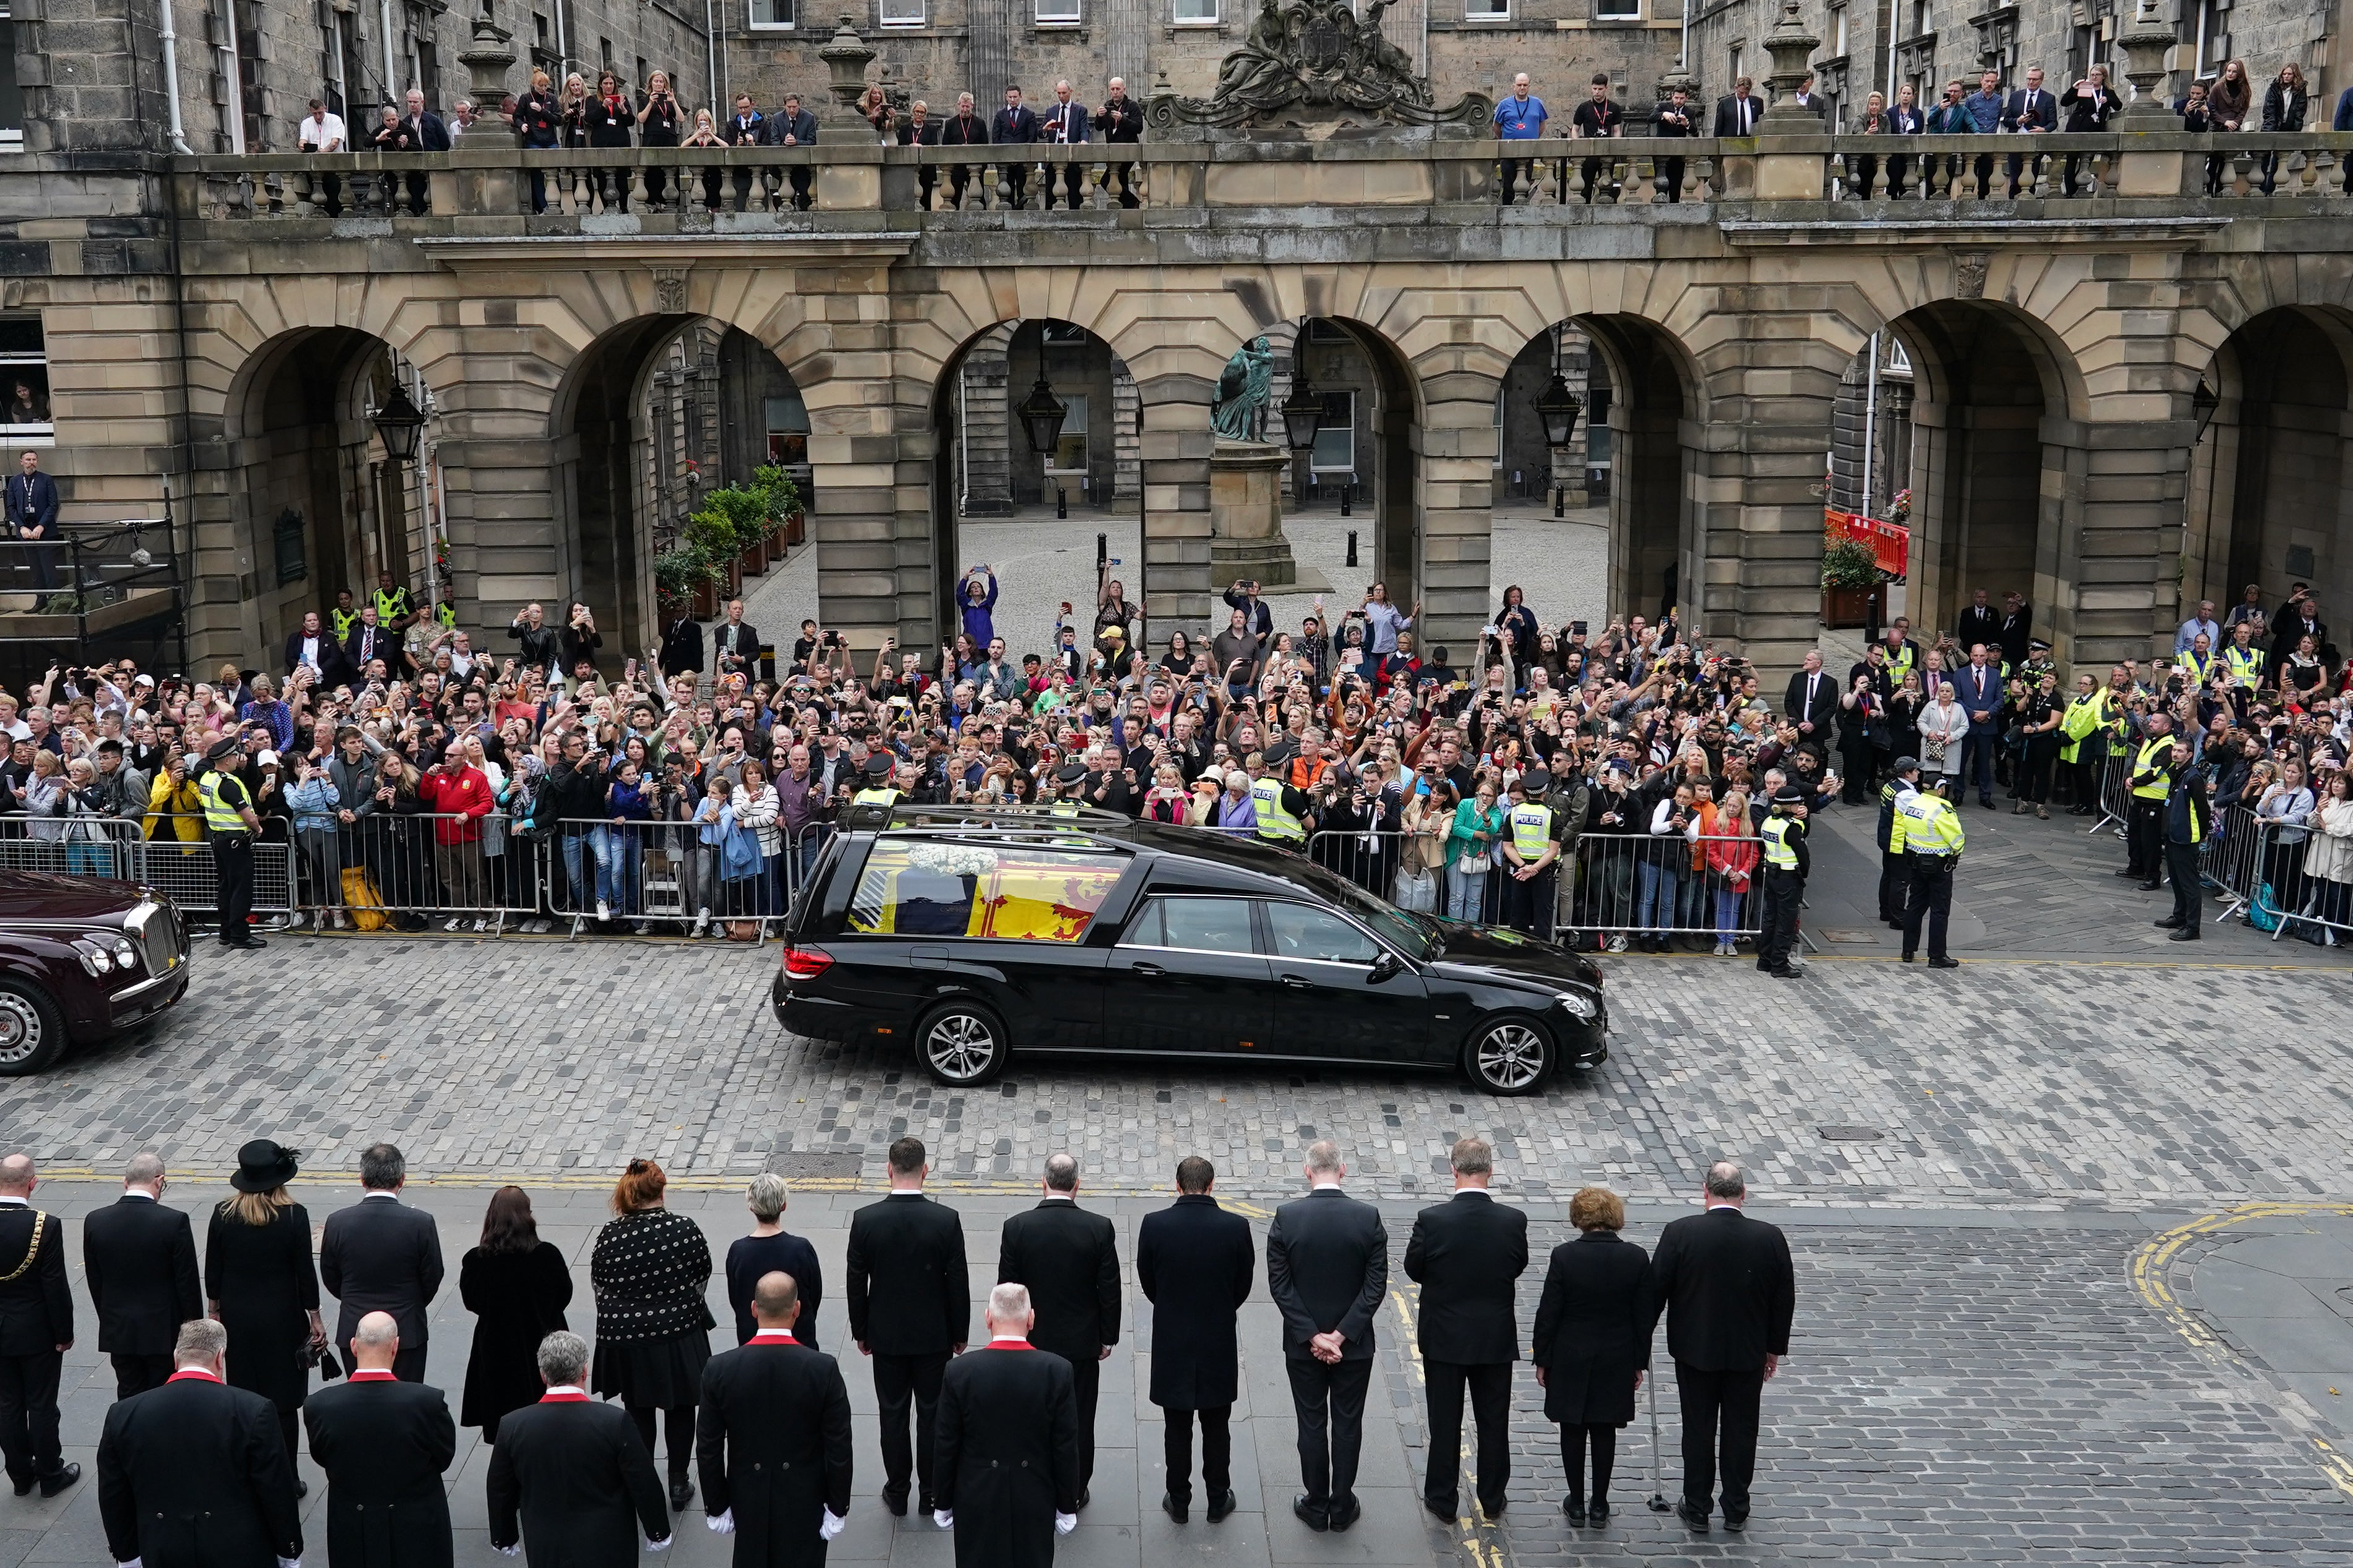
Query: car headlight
point(1579, 1007)
point(125, 955)
point(95, 959)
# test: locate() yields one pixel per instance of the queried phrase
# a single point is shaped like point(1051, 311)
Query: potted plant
point(1850, 580)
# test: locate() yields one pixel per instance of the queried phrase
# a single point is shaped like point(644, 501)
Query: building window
point(1616, 10)
point(1059, 13)
point(1838, 33)
point(24, 380)
point(1197, 12)
point(1335, 451)
point(788, 431)
point(1732, 63)
point(11, 97)
point(772, 15)
point(2211, 41)
point(1487, 10)
point(901, 13)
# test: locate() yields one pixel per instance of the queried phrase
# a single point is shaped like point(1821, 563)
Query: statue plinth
point(1247, 542)
point(1313, 69)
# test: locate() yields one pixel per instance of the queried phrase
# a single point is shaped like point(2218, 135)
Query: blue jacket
point(977, 624)
point(1973, 700)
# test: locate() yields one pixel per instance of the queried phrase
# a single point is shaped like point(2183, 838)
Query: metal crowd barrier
point(108, 846)
point(2115, 791)
point(2302, 902)
point(2229, 860)
point(186, 871)
point(392, 870)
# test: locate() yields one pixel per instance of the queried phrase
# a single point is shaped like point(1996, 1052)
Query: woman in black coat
point(609, 120)
point(517, 1286)
point(260, 1283)
point(1592, 1342)
point(650, 1269)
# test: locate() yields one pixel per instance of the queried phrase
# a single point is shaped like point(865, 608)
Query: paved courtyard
point(2073, 1239)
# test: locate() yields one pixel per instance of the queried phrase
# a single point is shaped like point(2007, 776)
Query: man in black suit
point(2017, 629)
point(1807, 98)
point(773, 1439)
point(793, 126)
point(1064, 123)
point(1009, 1476)
point(1977, 624)
point(32, 504)
point(910, 1309)
point(1120, 122)
point(196, 1471)
point(381, 1255)
point(965, 127)
point(1729, 1290)
point(681, 645)
point(141, 1258)
point(35, 1332)
point(1812, 700)
point(1068, 1259)
point(1737, 113)
point(1195, 1262)
point(1016, 124)
point(425, 133)
point(570, 1479)
point(1468, 1255)
point(311, 646)
point(2030, 110)
point(384, 1443)
point(735, 645)
point(370, 641)
point(1327, 1268)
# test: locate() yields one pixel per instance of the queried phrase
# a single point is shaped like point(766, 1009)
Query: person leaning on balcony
point(1598, 116)
point(1949, 118)
point(1519, 118)
point(2090, 104)
point(609, 119)
point(705, 134)
point(920, 130)
point(1016, 124)
point(1119, 121)
point(2286, 102)
point(324, 132)
point(659, 123)
point(1676, 117)
point(965, 127)
point(539, 126)
point(793, 126)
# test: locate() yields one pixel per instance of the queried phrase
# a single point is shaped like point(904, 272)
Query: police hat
point(879, 765)
point(1788, 796)
point(1942, 784)
point(1535, 781)
point(1070, 773)
point(1907, 765)
point(223, 751)
point(2036, 645)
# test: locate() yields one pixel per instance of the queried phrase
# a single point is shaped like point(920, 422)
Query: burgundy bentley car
point(81, 960)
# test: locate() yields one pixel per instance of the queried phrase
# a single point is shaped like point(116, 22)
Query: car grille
point(155, 927)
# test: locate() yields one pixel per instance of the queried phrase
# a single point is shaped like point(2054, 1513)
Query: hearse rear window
point(922, 886)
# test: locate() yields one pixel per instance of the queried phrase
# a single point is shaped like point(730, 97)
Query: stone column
point(1457, 508)
point(1175, 449)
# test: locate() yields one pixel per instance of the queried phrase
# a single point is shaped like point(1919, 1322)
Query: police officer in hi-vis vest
point(870, 807)
point(1786, 865)
point(1531, 856)
point(1895, 869)
point(1927, 834)
point(232, 824)
point(2145, 829)
point(2188, 818)
point(1282, 811)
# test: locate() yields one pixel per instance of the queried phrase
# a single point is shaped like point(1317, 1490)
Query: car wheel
point(32, 1033)
point(962, 1044)
point(1511, 1054)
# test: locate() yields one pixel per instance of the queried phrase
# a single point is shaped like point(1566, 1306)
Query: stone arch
point(1998, 464)
point(2269, 486)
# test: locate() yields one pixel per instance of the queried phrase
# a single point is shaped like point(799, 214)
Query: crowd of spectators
point(414, 775)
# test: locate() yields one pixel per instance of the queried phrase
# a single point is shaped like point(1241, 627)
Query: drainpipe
point(391, 64)
point(710, 47)
point(1870, 422)
point(172, 79)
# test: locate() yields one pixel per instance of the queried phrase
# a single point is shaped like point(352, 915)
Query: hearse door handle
point(1295, 982)
point(1149, 971)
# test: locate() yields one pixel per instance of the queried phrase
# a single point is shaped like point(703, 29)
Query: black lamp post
point(1303, 412)
point(1558, 408)
point(401, 425)
point(1043, 413)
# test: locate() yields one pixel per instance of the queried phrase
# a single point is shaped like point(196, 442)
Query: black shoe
point(1905, 959)
point(1314, 1518)
point(2127, 871)
point(1443, 1515)
point(1084, 1498)
point(1692, 1516)
point(1599, 1513)
point(1494, 1509)
point(2171, 922)
point(2151, 887)
point(1574, 1509)
point(1735, 1521)
point(66, 1476)
point(1785, 974)
point(682, 1492)
point(1222, 1504)
point(1342, 1518)
point(895, 1503)
point(1944, 963)
point(2187, 933)
point(1172, 1508)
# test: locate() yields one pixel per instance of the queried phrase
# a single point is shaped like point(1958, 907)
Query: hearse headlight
point(1578, 1006)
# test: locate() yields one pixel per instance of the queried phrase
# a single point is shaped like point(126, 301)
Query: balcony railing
point(481, 189)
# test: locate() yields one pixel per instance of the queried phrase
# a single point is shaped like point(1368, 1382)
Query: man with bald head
point(141, 1259)
point(1068, 1258)
point(772, 1438)
point(1007, 1467)
point(1728, 1291)
point(384, 1443)
point(35, 1332)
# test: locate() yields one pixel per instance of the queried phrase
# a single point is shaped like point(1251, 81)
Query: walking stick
point(1658, 1503)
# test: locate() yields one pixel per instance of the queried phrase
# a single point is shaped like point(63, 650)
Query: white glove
point(831, 1524)
point(1065, 1522)
point(514, 1550)
point(661, 1545)
point(944, 1518)
point(134, 1562)
point(289, 1563)
point(722, 1522)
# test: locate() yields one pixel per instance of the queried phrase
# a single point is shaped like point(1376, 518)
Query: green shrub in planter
point(1850, 564)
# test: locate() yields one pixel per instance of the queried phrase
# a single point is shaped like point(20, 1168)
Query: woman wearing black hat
point(260, 1283)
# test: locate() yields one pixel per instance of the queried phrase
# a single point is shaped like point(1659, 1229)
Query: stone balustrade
point(1550, 180)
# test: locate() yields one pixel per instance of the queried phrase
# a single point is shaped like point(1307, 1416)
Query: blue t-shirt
point(1517, 121)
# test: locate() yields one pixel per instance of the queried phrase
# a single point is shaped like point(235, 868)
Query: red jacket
point(460, 801)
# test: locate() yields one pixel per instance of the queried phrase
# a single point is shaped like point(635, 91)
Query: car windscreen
point(917, 885)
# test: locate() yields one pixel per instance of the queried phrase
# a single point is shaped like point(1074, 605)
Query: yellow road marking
point(1479, 1541)
point(2155, 1257)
